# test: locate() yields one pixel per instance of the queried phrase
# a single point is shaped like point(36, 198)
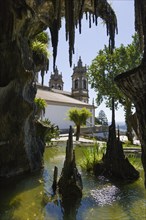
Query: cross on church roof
point(56, 71)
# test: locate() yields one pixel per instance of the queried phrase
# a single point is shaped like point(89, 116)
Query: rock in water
point(70, 182)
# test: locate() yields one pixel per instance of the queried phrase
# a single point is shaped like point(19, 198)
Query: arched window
point(84, 84)
point(59, 87)
point(76, 84)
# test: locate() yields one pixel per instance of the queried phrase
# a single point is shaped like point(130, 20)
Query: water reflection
point(19, 199)
point(106, 196)
point(31, 197)
point(57, 208)
point(53, 211)
point(133, 200)
point(102, 201)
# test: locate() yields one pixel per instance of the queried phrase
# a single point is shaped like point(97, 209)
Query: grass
point(91, 156)
point(129, 145)
point(136, 162)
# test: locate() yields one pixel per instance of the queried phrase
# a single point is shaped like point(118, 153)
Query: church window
point(84, 84)
point(59, 87)
point(76, 83)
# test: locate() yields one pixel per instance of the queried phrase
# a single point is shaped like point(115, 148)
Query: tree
point(102, 118)
point(97, 122)
point(105, 67)
point(79, 117)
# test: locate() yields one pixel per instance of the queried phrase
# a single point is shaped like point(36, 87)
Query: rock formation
point(20, 21)
point(70, 182)
point(116, 165)
point(20, 150)
point(133, 82)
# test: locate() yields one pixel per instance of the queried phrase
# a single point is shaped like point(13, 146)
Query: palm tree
point(79, 117)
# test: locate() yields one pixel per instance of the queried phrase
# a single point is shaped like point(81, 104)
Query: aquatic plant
point(92, 155)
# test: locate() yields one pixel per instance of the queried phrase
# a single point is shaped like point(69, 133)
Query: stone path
point(82, 140)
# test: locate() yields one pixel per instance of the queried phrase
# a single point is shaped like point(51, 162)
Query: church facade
point(59, 101)
point(80, 82)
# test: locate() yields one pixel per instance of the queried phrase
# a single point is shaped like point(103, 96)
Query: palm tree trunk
point(78, 132)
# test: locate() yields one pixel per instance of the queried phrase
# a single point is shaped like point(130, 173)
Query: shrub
point(52, 131)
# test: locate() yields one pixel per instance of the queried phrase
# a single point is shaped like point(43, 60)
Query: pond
point(30, 198)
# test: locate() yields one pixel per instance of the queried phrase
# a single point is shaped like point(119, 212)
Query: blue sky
point(89, 42)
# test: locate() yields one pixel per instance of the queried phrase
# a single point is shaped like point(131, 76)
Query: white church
point(59, 101)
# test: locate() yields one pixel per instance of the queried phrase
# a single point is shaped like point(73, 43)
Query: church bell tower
point(80, 82)
point(56, 81)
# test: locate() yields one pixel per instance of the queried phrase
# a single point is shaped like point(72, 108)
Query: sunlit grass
point(135, 161)
point(91, 156)
point(129, 145)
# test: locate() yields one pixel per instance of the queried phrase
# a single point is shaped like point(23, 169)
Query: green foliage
point(92, 156)
point(39, 46)
point(51, 132)
point(40, 106)
point(135, 161)
point(42, 37)
point(41, 103)
point(107, 65)
point(128, 145)
point(79, 116)
point(97, 122)
point(102, 118)
point(40, 49)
